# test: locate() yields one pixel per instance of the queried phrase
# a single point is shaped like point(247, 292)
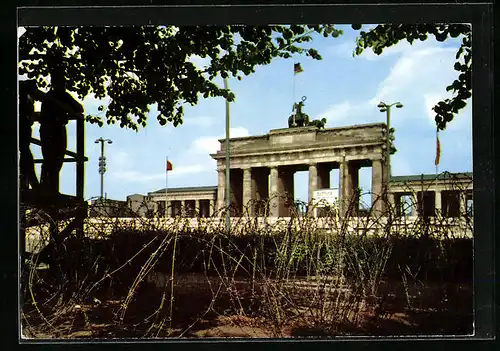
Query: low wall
point(99, 228)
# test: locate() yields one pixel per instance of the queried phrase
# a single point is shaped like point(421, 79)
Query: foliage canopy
point(137, 67)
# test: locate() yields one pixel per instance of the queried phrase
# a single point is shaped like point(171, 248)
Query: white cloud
point(368, 54)
point(344, 49)
point(237, 132)
point(403, 47)
point(428, 69)
point(337, 112)
point(200, 121)
point(462, 121)
point(205, 145)
point(344, 113)
point(418, 79)
point(210, 144)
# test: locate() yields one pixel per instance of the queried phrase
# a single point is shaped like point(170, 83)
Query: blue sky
point(341, 88)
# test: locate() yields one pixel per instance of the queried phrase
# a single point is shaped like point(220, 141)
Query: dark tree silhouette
point(141, 66)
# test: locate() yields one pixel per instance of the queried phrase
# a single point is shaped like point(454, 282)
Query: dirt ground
point(196, 315)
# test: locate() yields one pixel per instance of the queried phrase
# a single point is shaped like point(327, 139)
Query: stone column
point(274, 196)
point(236, 179)
point(354, 181)
point(211, 208)
point(437, 203)
point(179, 208)
point(377, 186)
point(342, 186)
point(167, 210)
point(183, 208)
point(414, 205)
point(197, 208)
point(350, 181)
point(313, 185)
point(398, 206)
point(285, 190)
point(313, 180)
point(221, 190)
point(247, 192)
point(462, 204)
point(391, 200)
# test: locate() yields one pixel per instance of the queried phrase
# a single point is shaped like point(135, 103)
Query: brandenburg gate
point(262, 167)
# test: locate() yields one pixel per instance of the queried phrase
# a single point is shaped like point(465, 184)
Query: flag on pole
point(297, 68)
point(438, 149)
point(169, 168)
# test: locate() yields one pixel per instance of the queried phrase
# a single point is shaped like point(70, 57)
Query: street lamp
point(102, 163)
point(387, 108)
point(228, 168)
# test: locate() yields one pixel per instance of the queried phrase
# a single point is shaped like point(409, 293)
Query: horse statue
point(320, 123)
point(298, 118)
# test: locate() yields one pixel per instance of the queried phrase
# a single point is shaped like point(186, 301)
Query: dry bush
point(298, 271)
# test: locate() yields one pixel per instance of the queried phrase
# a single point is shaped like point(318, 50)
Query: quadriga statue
point(320, 123)
point(298, 118)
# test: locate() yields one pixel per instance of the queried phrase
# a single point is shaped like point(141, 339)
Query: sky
point(341, 88)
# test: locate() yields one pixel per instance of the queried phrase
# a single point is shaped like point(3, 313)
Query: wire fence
point(303, 270)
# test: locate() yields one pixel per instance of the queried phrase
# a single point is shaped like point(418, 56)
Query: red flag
point(169, 166)
point(438, 150)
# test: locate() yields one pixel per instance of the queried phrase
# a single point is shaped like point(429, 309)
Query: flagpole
point(228, 166)
point(293, 96)
point(294, 109)
point(439, 151)
point(166, 188)
point(438, 159)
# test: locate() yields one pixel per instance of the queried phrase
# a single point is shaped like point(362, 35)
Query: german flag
point(438, 150)
point(297, 68)
point(169, 166)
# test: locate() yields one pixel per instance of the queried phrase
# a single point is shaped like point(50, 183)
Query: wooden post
point(80, 164)
point(80, 173)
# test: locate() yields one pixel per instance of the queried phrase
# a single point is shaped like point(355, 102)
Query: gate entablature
point(356, 142)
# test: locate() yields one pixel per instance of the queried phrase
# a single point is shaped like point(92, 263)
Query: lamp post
point(102, 163)
point(228, 169)
point(387, 108)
